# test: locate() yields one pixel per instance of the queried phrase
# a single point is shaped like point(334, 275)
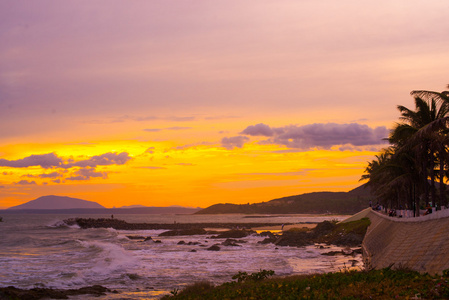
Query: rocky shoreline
point(11, 292)
point(345, 235)
point(123, 225)
point(348, 234)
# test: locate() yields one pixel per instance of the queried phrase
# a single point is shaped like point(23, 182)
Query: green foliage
point(358, 226)
point(375, 284)
point(257, 276)
point(174, 292)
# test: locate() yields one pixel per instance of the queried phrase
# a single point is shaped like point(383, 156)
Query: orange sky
point(195, 103)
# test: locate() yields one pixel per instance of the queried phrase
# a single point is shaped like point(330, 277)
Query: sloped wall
point(421, 245)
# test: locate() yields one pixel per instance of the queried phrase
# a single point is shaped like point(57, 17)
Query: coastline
point(126, 257)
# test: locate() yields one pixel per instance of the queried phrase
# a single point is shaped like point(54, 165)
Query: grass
point(374, 284)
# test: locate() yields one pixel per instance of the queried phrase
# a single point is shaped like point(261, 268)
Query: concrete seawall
point(421, 245)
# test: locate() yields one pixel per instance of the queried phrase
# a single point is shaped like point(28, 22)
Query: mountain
point(133, 206)
point(57, 202)
point(67, 205)
point(309, 203)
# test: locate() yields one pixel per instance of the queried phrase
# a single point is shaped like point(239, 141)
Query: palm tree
point(440, 139)
point(419, 144)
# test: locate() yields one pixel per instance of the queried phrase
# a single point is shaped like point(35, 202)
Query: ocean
point(39, 250)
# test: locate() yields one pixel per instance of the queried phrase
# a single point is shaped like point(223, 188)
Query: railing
point(407, 215)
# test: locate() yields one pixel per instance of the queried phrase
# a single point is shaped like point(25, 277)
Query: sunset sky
point(194, 103)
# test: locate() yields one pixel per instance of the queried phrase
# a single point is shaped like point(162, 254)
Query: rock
point(148, 239)
point(332, 253)
point(190, 231)
point(181, 243)
point(347, 251)
point(233, 233)
point(268, 240)
point(193, 250)
point(135, 237)
point(294, 238)
point(39, 293)
point(351, 239)
point(267, 234)
point(214, 248)
point(157, 241)
point(323, 228)
point(231, 242)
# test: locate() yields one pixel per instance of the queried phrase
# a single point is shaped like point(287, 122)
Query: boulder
point(294, 239)
point(213, 248)
point(231, 242)
point(233, 233)
point(190, 231)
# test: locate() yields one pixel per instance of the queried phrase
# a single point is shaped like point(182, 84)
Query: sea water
point(41, 251)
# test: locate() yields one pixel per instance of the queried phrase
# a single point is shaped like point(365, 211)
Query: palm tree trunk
point(432, 181)
point(442, 186)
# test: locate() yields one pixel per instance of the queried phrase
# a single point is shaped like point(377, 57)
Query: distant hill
point(309, 203)
point(67, 205)
point(133, 206)
point(57, 202)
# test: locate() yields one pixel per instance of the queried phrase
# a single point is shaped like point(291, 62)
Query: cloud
point(235, 141)
point(101, 160)
point(86, 174)
point(43, 160)
point(168, 128)
point(293, 173)
point(152, 168)
point(79, 170)
point(152, 129)
point(150, 150)
point(51, 175)
point(320, 135)
point(258, 130)
point(121, 119)
point(25, 182)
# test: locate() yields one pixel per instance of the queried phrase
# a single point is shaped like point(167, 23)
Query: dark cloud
point(43, 160)
point(258, 130)
point(86, 174)
point(25, 182)
point(82, 169)
point(234, 141)
point(101, 160)
point(320, 135)
point(150, 150)
point(51, 175)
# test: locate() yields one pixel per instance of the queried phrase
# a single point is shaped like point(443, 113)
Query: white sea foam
point(66, 258)
point(110, 257)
